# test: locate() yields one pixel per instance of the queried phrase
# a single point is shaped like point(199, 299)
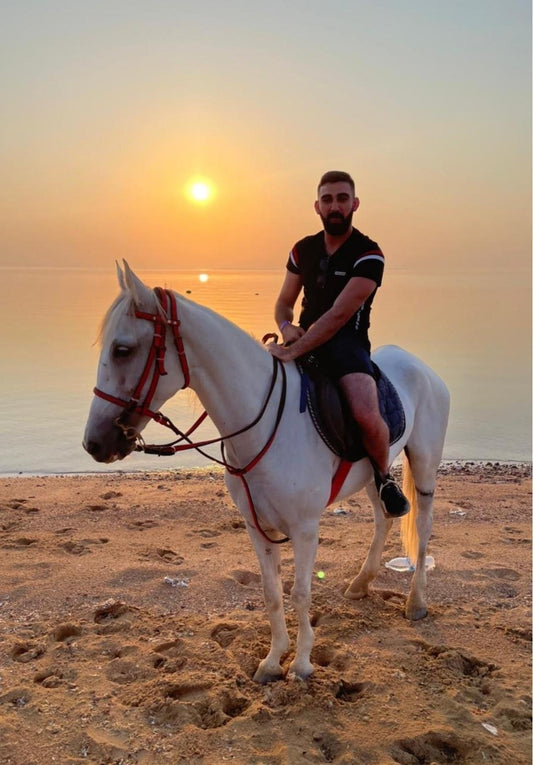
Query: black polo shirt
point(324, 277)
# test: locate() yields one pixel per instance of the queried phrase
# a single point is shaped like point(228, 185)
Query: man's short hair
point(336, 176)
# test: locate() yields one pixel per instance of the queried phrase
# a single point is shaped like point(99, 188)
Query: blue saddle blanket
point(332, 417)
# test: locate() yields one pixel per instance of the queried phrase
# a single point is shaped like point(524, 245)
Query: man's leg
point(360, 391)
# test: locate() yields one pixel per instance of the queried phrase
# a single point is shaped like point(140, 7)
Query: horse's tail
point(408, 530)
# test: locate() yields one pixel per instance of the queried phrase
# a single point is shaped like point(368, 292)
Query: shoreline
point(447, 467)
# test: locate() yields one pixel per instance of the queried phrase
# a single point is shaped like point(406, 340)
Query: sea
point(472, 328)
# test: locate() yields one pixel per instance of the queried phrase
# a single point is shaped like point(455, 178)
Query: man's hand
point(282, 352)
point(287, 352)
point(290, 333)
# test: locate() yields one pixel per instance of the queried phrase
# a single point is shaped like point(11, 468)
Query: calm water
point(474, 330)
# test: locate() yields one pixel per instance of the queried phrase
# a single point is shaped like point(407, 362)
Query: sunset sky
point(111, 110)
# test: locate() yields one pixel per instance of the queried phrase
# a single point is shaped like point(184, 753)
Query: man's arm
point(284, 308)
point(348, 302)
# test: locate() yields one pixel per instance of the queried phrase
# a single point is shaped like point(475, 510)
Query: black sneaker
point(393, 501)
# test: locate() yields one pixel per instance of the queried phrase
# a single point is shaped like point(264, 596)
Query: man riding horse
point(340, 270)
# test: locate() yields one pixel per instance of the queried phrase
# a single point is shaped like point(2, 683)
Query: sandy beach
point(132, 620)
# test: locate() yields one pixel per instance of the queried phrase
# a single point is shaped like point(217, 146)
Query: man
point(340, 270)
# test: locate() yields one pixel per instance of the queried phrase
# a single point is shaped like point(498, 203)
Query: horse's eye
point(122, 351)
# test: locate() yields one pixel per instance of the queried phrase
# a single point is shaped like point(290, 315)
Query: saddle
point(331, 415)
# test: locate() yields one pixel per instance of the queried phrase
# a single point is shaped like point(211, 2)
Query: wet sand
point(132, 620)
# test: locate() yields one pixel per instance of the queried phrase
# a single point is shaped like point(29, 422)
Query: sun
point(200, 191)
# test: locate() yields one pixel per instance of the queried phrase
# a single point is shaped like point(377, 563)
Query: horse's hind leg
point(420, 474)
point(359, 586)
point(268, 555)
point(423, 454)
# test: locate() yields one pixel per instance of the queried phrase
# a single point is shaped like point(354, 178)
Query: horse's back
point(425, 398)
point(410, 375)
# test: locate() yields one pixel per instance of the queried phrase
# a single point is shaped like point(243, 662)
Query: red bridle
point(156, 360)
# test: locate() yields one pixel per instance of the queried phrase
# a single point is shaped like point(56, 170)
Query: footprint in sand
point(351, 691)
point(16, 504)
point(26, 651)
point(517, 540)
point(124, 671)
point(513, 717)
point(64, 633)
point(246, 578)
point(142, 525)
point(74, 548)
point(329, 745)
point(507, 574)
point(434, 746)
point(392, 596)
point(171, 648)
point(10, 525)
point(49, 678)
point(111, 495)
point(18, 697)
point(193, 703)
point(22, 542)
point(327, 655)
point(472, 554)
point(169, 556)
point(458, 662)
point(169, 656)
point(224, 633)
point(207, 533)
point(83, 546)
point(111, 609)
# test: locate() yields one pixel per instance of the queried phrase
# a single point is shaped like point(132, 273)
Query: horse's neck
point(230, 371)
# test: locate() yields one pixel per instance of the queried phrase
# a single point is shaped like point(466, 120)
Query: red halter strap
point(168, 316)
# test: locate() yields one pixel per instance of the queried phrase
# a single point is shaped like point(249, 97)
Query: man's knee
point(371, 422)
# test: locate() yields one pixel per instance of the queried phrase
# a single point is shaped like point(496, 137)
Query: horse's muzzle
point(109, 450)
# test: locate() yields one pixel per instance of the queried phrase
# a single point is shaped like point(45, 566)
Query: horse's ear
point(141, 294)
point(120, 277)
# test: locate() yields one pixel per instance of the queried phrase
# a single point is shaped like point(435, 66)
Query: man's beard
point(336, 225)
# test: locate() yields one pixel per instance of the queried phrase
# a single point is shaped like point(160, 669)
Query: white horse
point(287, 469)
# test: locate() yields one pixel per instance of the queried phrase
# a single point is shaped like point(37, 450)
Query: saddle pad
point(333, 420)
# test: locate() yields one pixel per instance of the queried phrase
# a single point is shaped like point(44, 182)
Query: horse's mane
point(124, 303)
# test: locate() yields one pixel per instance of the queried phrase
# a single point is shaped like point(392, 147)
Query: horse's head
point(134, 376)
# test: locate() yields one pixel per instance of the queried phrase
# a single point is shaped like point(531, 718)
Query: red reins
point(156, 360)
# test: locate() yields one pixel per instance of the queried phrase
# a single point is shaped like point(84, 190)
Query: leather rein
point(168, 317)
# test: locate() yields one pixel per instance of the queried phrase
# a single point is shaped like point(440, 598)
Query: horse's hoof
point(356, 593)
point(264, 675)
point(415, 614)
point(301, 670)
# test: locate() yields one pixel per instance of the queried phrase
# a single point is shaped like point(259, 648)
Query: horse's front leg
point(358, 588)
point(268, 555)
point(304, 546)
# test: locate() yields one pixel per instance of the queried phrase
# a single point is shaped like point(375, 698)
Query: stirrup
point(393, 501)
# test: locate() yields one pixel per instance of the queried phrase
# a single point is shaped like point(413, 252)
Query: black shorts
point(344, 354)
